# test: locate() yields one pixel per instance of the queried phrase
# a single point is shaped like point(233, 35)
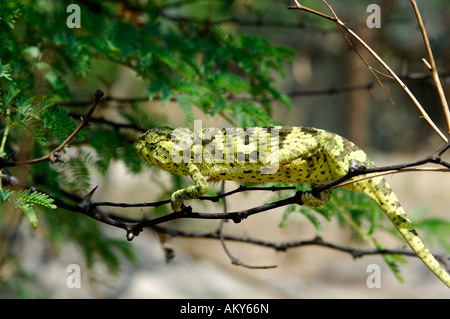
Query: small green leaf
point(28, 210)
point(41, 199)
point(186, 107)
point(4, 195)
point(5, 71)
point(231, 82)
point(391, 260)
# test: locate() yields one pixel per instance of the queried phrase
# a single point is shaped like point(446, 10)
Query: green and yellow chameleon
point(273, 154)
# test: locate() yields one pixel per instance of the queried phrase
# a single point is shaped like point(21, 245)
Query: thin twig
point(332, 90)
point(377, 57)
point(316, 241)
point(114, 125)
point(425, 169)
point(432, 64)
point(434, 158)
point(54, 155)
point(219, 231)
point(371, 69)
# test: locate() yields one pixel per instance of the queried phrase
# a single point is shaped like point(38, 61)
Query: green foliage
point(436, 231)
point(392, 261)
point(25, 200)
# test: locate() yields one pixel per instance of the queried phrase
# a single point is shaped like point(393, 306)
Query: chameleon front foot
point(183, 209)
point(176, 203)
point(179, 207)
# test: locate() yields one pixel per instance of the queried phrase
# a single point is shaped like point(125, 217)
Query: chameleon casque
point(273, 154)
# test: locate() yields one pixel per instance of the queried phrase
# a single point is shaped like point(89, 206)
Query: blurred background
point(227, 63)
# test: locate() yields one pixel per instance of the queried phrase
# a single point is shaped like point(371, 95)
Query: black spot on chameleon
point(246, 140)
point(413, 231)
point(309, 130)
point(206, 142)
point(395, 204)
point(282, 134)
point(399, 220)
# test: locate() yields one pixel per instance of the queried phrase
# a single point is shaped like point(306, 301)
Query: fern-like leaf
point(25, 200)
point(186, 107)
point(38, 198)
point(391, 260)
point(28, 210)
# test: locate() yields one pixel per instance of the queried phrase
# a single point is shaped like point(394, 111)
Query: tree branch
point(134, 227)
point(284, 246)
point(54, 155)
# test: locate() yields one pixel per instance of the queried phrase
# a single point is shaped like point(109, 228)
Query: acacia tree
point(58, 128)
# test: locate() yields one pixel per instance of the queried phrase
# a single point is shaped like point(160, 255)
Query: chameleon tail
point(381, 193)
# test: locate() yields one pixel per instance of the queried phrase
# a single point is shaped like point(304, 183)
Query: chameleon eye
point(152, 145)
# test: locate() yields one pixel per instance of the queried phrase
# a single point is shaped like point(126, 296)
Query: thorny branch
point(133, 228)
point(97, 211)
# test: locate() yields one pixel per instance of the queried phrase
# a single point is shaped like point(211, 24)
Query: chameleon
point(275, 154)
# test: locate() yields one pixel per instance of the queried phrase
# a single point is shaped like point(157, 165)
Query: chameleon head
point(154, 147)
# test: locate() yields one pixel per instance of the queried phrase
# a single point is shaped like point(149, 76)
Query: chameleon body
point(275, 154)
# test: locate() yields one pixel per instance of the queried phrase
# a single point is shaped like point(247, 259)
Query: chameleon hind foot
point(316, 200)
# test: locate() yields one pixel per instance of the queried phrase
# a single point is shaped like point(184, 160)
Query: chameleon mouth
point(139, 144)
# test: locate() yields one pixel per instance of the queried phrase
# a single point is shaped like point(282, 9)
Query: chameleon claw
point(309, 198)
